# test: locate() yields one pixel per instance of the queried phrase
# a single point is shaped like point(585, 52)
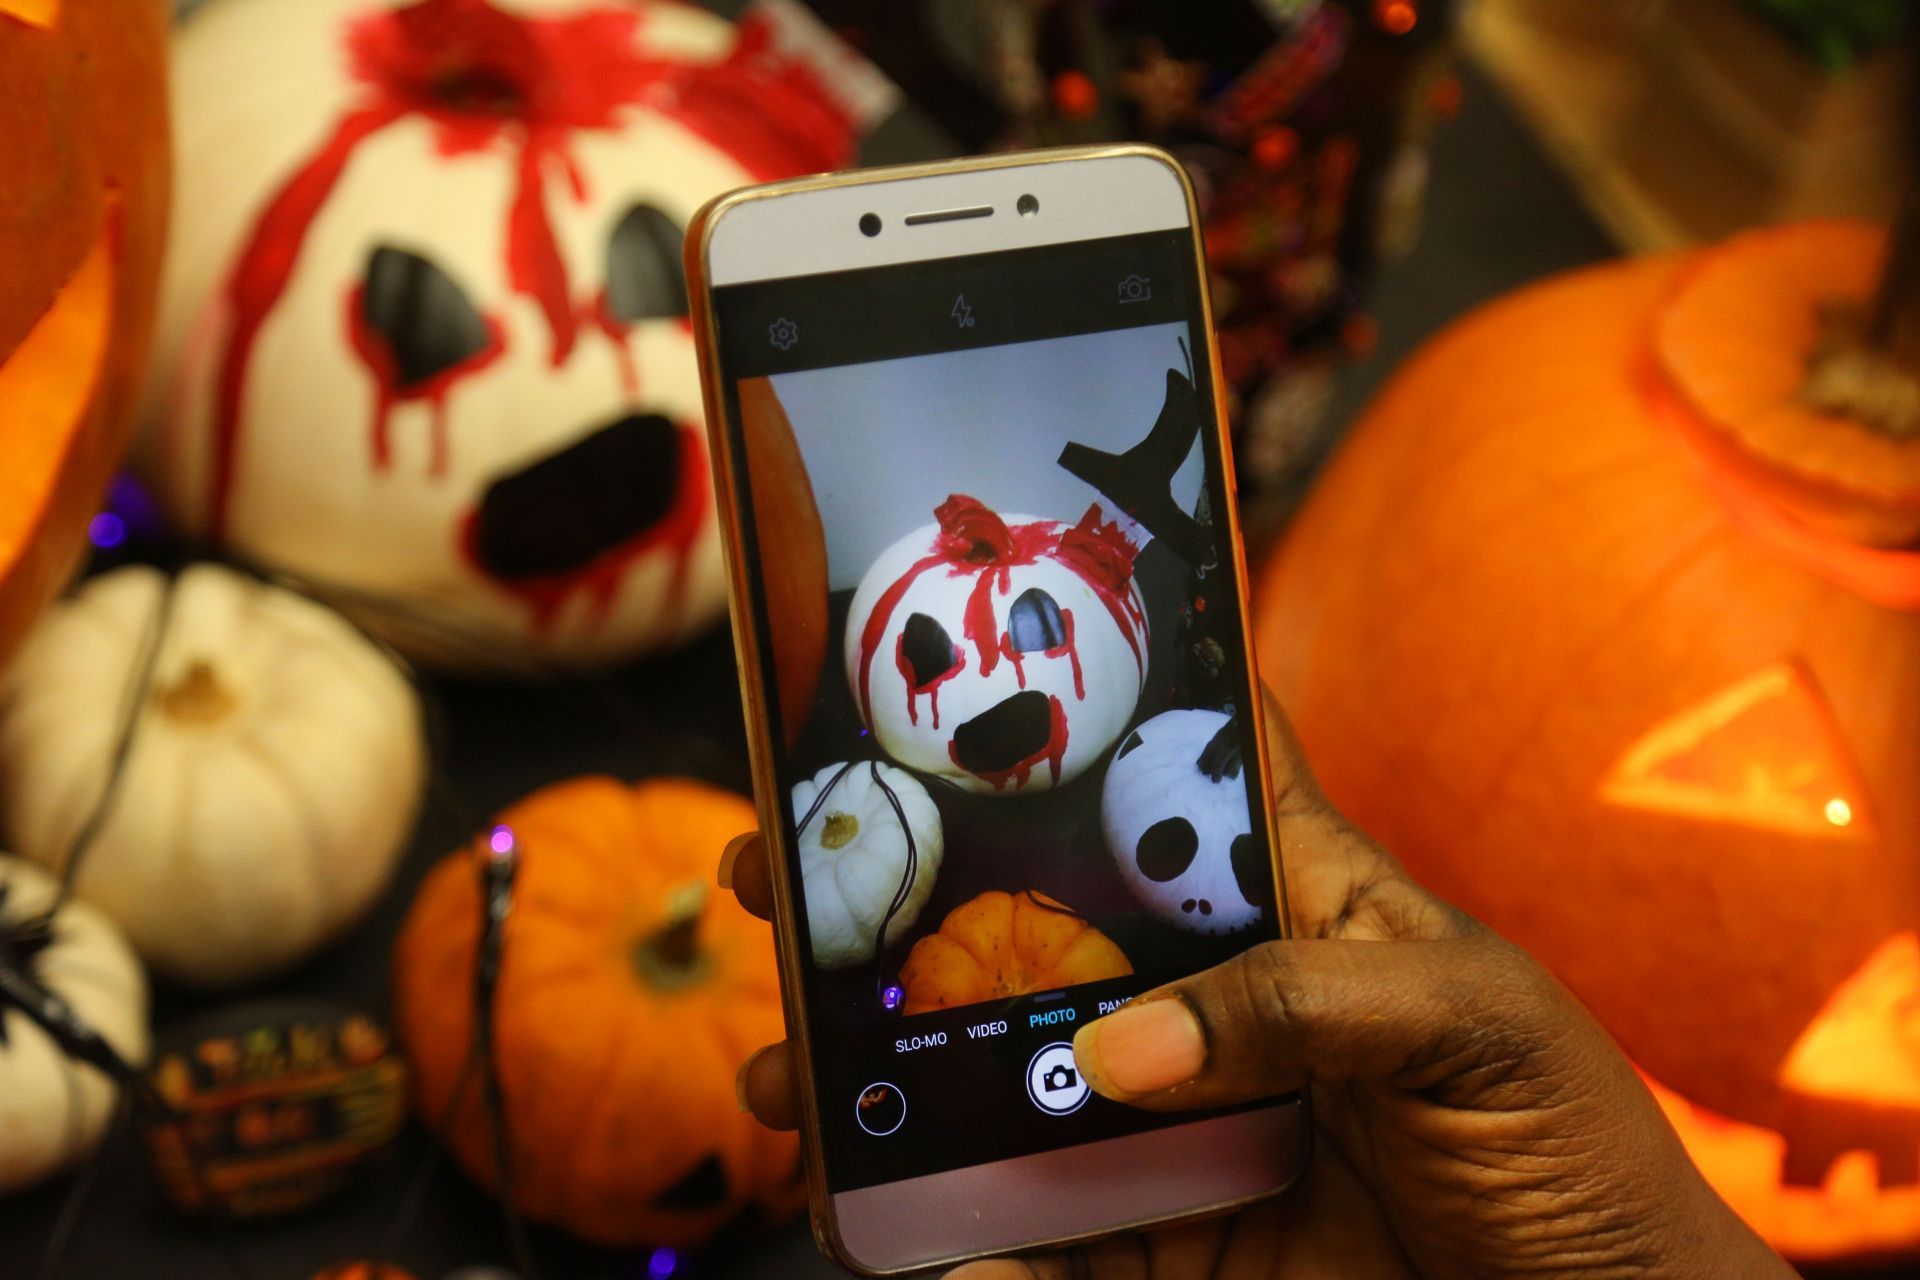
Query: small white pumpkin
point(54, 1111)
point(273, 780)
point(1174, 809)
point(858, 863)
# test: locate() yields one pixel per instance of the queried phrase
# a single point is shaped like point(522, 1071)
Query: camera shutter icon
point(1054, 1085)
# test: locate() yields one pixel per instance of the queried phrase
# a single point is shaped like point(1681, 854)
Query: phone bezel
point(809, 226)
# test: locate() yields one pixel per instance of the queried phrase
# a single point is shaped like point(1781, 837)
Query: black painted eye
point(1166, 849)
point(704, 1187)
point(421, 315)
point(927, 649)
point(1252, 871)
point(1034, 622)
point(644, 277)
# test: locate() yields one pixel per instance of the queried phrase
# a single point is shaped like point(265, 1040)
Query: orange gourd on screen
point(1006, 944)
point(628, 997)
point(83, 206)
point(1604, 618)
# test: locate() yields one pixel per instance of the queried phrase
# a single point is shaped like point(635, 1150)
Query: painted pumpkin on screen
point(425, 340)
point(628, 996)
point(1174, 812)
point(1607, 619)
point(1003, 654)
point(83, 208)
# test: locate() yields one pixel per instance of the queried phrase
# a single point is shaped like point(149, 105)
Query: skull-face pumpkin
point(425, 335)
point(83, 206)
point(1174, 810)
point(1003, 654)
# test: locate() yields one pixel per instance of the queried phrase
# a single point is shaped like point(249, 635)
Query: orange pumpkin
point(1610, 630)
point(793, 551)
point(628, 997)
point(83, 204)
point(363, 1271)
point(1005, 944)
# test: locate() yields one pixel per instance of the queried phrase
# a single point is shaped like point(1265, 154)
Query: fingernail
point(1141, 1049)
point(730, 856)
point(740, 1082)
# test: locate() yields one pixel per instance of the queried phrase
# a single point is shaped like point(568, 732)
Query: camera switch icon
point(1136, 288)
point(1053, 1081)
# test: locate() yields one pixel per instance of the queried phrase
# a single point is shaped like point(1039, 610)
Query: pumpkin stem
point(670, 958)
point(197, 697)
point(839, 831)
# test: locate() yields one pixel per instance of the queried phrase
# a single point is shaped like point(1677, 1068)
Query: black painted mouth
point(1006, 735)
point(565, 510)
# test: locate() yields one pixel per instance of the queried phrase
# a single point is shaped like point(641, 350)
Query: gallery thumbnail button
point(881, 1109)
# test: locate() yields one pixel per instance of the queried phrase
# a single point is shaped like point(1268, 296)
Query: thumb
point(1444, 1016)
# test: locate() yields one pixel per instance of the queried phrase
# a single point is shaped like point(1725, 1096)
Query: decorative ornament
point(54, 1110)
point(870, 848)
point(274, 1106)
point(425, 344)
point(1606, 619)
point(83, 210)
point(266, 790)
point(626, 996)
point(1002, 654)
point(1177, 822)
point(1006, 944)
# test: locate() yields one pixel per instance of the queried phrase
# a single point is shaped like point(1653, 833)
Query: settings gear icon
point(783, 333)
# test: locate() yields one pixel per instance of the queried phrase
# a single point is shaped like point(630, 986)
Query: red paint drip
point(1066, 648)
point(1100, 554)
point(618, 332)
point(388, 392)
point(1053, 753)
point(677, 531)
point(931, 688)
point(877, 626)
point(483, 76)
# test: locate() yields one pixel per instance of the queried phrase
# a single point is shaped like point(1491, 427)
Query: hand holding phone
point(1474, 1119)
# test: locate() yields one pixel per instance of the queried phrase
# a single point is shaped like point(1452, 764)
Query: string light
point(1395, 17)
point(662, 1263)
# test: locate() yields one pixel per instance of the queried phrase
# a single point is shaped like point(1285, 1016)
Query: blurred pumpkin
point(425, 338)
point(83, 209)
point(1604, 618)
point(363, 1271)
point(54, 1111)
point(1006, 944)
point(270, 786)
point(793, 551)
point(276, 1105)
point(627, 998)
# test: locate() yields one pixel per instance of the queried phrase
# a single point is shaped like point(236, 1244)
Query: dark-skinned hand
point(1474, 1120)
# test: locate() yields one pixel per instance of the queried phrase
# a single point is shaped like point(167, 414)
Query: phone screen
point(1014, 738)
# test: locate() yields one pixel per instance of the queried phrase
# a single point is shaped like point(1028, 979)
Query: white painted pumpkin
point(423, 338)
point(1175, 812)
point(53, 1111)
point(860, 867)
point(1004, 654)
point(272, 783)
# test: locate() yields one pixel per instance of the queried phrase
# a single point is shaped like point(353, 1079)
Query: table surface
point(1498, 216)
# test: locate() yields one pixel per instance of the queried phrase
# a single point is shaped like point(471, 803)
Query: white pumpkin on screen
point(270, 786)
point(54, 1111)
point(1001, 653)
point(870, 849)
point(1175, 813)
point(424, 340)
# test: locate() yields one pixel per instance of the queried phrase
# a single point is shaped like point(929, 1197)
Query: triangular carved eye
point(927, 650)
point(1033, 623)
point(420, 315)
point(644, 277)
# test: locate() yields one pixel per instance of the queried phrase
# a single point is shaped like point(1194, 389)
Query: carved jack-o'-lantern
point(1607, 619)
point(1174, 811)
point(83, 207)
point(1002, 654)
point(425, 328)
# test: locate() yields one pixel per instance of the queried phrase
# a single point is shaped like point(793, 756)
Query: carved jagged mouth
point(564, 511)
point(1004, 736)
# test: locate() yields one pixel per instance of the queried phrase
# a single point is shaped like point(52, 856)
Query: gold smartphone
point(990, 607)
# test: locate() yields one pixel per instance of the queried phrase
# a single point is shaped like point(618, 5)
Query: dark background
point(1498, 216)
